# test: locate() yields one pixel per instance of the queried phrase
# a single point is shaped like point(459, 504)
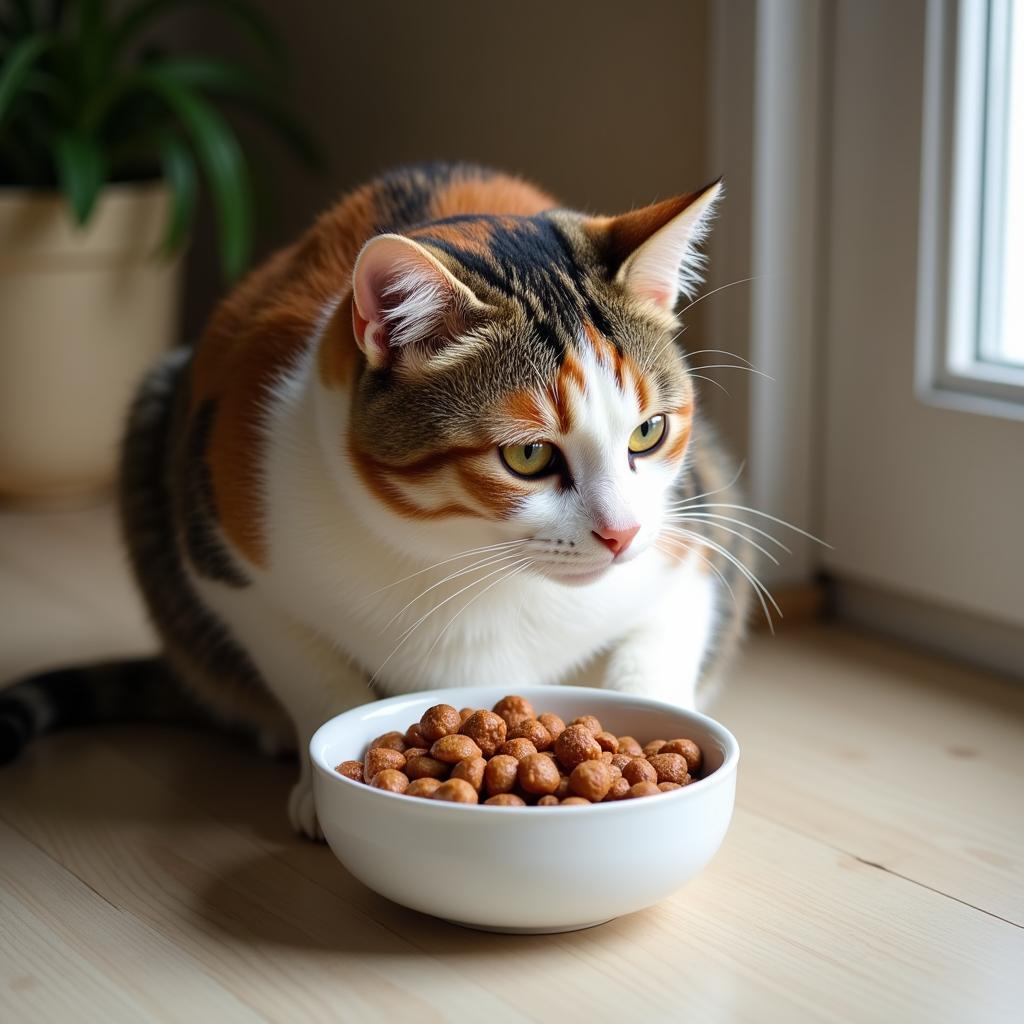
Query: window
point(971, 299)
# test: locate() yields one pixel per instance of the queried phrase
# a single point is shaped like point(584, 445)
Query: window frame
point(961, 196)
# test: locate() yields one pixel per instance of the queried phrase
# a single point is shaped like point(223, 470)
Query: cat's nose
point(616, 540)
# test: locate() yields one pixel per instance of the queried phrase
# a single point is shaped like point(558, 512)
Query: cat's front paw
point(302, 811)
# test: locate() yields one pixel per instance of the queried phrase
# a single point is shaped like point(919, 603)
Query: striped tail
point(141, 690)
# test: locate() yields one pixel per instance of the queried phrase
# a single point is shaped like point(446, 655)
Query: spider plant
point(87, 98)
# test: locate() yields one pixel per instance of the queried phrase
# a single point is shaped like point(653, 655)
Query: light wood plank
point(893, 756)
point(66, 949)
point(784, 922)
point(274, 939)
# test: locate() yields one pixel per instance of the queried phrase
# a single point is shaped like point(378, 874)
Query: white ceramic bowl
point(525, 869)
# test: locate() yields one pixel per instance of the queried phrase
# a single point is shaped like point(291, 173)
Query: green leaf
point(241, 84)
point(91, 46)
point(181, 175)
point(18, 66)
point(81, 170)
point(223, 164)
point(140, 17)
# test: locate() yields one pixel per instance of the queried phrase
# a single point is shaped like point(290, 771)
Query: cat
point(445, 438)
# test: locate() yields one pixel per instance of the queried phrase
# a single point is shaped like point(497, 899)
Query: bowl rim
point(719, 777)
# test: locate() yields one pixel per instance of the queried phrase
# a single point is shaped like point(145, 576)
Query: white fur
point(317, 620)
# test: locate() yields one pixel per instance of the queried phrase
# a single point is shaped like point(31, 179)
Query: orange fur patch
point(497, 194)
point(339, 355)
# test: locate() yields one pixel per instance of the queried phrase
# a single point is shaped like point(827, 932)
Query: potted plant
point(105, 143)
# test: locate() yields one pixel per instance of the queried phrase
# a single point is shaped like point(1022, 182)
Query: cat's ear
point(654, 248)
point(405, 302)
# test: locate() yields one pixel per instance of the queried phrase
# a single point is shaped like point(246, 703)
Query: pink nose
point(616, 540)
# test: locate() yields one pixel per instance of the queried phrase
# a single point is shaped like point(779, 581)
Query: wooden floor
point(874, 870)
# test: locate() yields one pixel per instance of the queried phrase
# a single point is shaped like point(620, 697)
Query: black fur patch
point(205, 549)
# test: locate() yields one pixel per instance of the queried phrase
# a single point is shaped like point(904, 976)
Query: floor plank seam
point(64, 867)
point(880, 867)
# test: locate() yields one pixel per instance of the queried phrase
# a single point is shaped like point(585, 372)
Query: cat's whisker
point(717, 490)
point(491, 559)
point(715, 291)
point(707, 561)
point(719, 352)
point(412, 629)
point(734, 366)
point(760, 589)
point(474, 598)
point(736, 533)
point(756, 512)
point(445, 561)
point(700, 376)
point(451, 597)
point(713, 518)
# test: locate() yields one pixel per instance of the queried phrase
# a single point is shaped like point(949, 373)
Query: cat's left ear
point(406, 304)
point(653, 250)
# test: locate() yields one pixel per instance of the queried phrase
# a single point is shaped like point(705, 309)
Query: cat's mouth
point(579, 577)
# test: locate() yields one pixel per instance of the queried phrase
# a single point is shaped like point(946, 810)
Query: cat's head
point(521, 383)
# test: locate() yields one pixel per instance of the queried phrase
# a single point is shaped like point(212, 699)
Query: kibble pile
point(510, 756)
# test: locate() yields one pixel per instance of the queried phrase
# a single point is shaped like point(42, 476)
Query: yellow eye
point(528, 459)
point(647, 436)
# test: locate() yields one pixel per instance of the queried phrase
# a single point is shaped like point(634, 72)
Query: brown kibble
point(514, 709)
point(383, 757)
point(638, 770)
point(532, 730)
point(591, 780)
point(518, 748)
point(667, 787)
point(589, 722)
point(549, 800)
point(616, 771)
point(621, 760)
point(454, 748)
point(619, 790)
point(411, 752)
point(652, 748)
point(500, 774)
point(351, 770)
point(670, 767)
point(426, 767)
point(440, 720)
point(575, 745)
point(505, 800)
point(644, 789)
point(563, 787)
point(456, 791)
point(606, 756)
point(574, 801)
point(628, 745)
point(390, 740)
point(487, 730)
point(472, 770)
point(554, 725)
point(465, 713)
point(424, 787)
point(414, 738)
point(688, 749)
point(391, 780)
point(607, 741)
point(538, 774)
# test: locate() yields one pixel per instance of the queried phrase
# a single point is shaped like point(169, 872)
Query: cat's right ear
point(406, 304)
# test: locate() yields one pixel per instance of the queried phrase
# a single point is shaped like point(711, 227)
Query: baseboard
point(800, 603)
point(958, 634)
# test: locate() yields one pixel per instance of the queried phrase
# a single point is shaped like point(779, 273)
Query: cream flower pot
point(83, 312)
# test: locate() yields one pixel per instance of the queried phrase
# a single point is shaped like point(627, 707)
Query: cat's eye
point(647, 436)
point(528, 459)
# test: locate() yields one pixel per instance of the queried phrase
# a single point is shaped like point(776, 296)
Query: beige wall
point(604, 103)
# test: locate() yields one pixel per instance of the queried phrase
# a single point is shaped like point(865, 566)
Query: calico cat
point(445, 438)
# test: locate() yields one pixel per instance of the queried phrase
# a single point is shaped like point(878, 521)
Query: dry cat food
point(512, 757)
